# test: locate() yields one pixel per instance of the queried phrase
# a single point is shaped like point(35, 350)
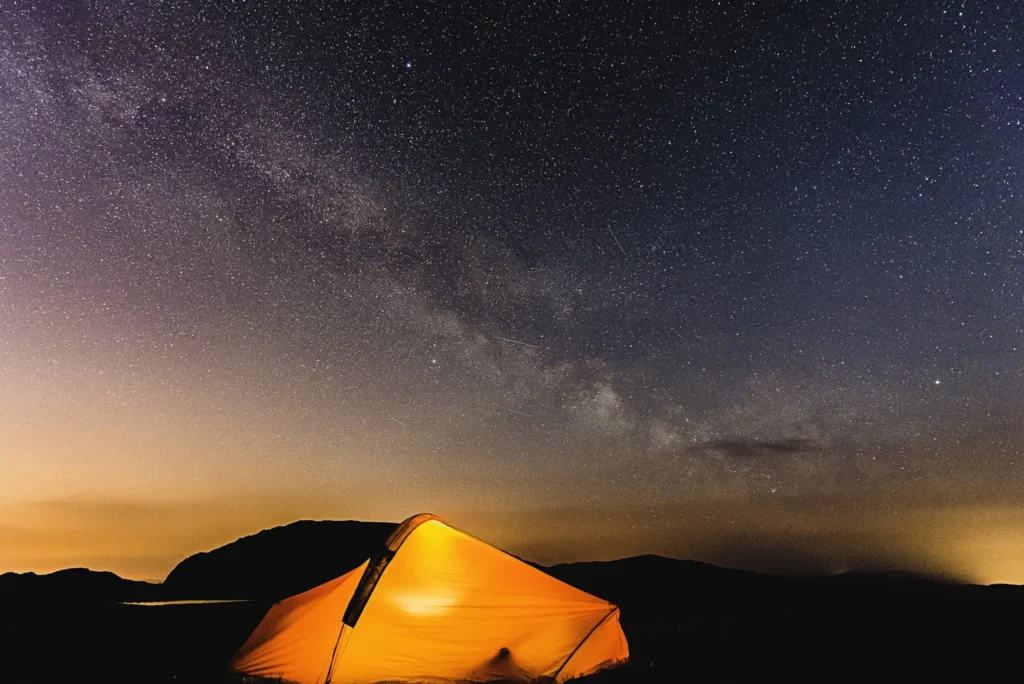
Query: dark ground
point(683, 620)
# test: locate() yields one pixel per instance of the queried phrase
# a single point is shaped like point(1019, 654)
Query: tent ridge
point(380, 562)
point(371, 576)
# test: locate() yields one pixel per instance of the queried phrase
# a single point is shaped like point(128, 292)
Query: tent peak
point(406, 527)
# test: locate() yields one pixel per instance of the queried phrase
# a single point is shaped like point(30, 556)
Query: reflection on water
point(181, 603)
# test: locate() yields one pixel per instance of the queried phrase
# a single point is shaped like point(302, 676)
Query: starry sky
point(734, 281)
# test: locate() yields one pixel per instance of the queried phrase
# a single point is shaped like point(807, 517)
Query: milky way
point(737, 281)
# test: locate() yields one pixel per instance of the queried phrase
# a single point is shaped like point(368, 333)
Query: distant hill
point(894, 577)
point(710, 623)
point(286, 560)
point(278, 562)
point(75, 585)
point(653, 589)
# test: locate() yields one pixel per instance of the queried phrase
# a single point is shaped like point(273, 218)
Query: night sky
point(734, 281)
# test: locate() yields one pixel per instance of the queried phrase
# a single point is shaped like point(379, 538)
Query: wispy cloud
point(753, 448)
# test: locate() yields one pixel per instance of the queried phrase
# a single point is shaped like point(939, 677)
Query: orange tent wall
point(296, 639)
point(447, 608)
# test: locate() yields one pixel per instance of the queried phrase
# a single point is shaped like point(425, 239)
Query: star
point(246, 238)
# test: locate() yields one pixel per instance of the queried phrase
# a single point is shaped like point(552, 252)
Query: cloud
point(753, 448)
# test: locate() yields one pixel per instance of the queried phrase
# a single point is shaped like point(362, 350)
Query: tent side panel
point(606, 646)
point(294, 641)
point(450, 607)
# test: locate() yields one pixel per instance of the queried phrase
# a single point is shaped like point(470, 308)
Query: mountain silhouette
point(77, 585)
point(278, 562)
point(283, 561)
point(714, 623)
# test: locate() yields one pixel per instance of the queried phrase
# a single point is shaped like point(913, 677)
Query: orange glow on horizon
point(140, 540)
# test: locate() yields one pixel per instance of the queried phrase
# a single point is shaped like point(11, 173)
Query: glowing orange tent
point(436, 605)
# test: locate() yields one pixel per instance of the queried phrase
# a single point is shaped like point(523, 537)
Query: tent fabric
point(297, 636)
point(437, 606)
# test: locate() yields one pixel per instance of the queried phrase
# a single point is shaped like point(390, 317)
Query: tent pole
point(593, 629)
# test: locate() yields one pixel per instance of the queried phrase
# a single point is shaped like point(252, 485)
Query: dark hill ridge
point(76, 585)
point(651, 589)
point(286, 560)
point(278, 562)
point(283, 561)
point(711, 623)
point(679, 616)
